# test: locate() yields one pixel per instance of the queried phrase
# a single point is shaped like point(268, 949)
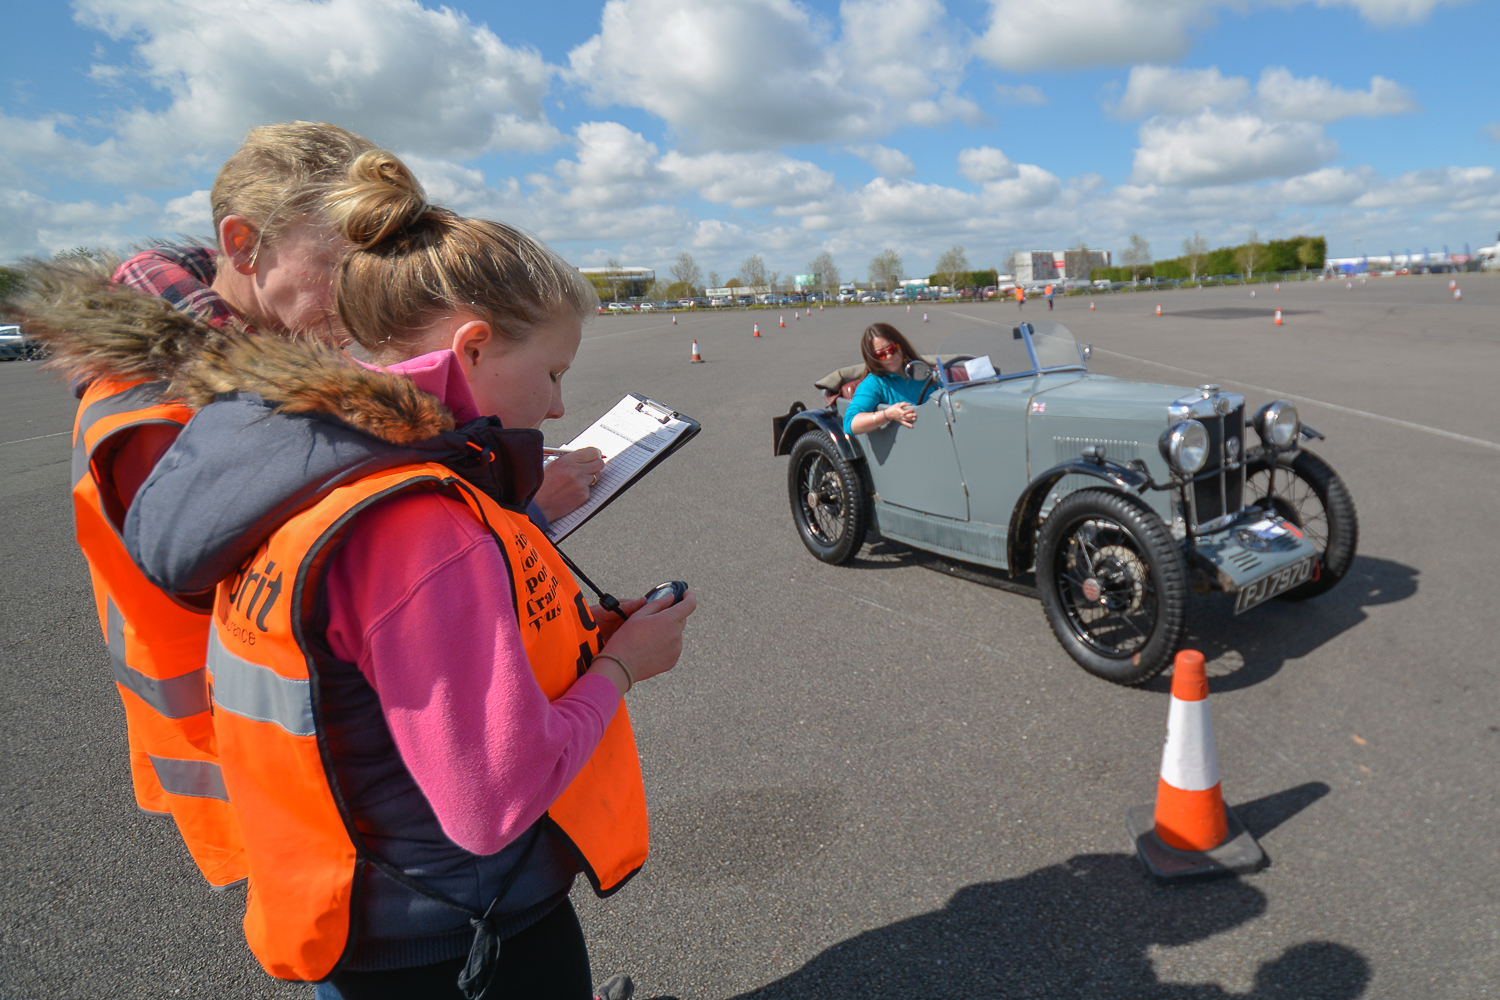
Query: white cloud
point(1446, 186)
point(985, 163)
point(401, 74)
point(749, 181)
point(190, 214)
point(1390, 11)
point(1024, 35)
point(1314, 99)
point(1023, 94)
point(1164, 90)
point(1031, 187)
point(1214, 148)
point(616, 168)
point(31, 225)
point(887, 162)
point(746, 74)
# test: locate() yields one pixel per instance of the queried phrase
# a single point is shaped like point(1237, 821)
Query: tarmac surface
point(888, 780)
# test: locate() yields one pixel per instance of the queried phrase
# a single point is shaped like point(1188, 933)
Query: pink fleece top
point(420, 598)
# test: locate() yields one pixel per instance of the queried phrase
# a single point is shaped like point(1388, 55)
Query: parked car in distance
point(846, 296)
point(645, 307)
point(686, 303)
point(615, 307)
point(1121, 496)
point(13, 344)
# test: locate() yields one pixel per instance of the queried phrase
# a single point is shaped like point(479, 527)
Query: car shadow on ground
point(1242, 650)
point(1084, 928)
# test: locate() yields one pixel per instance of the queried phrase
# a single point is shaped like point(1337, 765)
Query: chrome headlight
point(1277, 424)
point(1185, 447)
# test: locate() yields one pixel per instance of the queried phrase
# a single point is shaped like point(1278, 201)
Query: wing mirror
point(918, 370)
point(1088, 351)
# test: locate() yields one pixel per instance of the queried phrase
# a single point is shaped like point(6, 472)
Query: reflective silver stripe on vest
point(258, 692)
point(175, 697)
point(137, 397)
point(198, 778)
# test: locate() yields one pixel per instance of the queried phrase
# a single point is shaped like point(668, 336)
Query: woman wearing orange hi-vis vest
point(420, 718)
point(271, 270)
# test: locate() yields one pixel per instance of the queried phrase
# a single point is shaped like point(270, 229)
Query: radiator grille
point(1218, 495)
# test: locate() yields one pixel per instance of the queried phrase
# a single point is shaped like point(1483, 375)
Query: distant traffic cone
point(1091, 307)
point(1278, 317)
point(1458, 293)
point(820, 307)
point(924, 317)
point(1278, 286)
point(1252, 293)
point(697, 358)
point(1158, 309)
point(1349, 285)
point(757, 329)
point(1190, 832)
point(674, 319)
point(1452, 284)
point(783, 322)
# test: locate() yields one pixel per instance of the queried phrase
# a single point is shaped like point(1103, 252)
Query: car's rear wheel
point(1113, 585)
point(828, 498)
point(1313, 497)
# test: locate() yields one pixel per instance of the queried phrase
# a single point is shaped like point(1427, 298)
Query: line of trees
point(1250, 258)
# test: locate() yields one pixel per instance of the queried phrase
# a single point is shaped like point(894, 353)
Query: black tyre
point(1113, 585)
point(828, 498)
point(1313, 497)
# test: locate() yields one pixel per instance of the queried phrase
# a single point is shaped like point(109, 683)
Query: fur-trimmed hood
point(97, 329)
point(279, 425)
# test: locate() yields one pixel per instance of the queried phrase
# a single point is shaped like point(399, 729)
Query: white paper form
point(629, 435)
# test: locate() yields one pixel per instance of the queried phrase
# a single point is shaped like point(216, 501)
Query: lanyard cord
point(606, 601)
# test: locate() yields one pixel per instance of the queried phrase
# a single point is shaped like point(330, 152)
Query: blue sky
point(638, 129)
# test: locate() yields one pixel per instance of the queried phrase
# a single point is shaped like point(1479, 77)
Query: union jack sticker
point(1037, 406)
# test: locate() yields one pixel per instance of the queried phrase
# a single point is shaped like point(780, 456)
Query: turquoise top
point(878, 391)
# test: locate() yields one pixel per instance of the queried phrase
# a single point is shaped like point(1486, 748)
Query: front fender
point(799, 420)
point(1020, 541)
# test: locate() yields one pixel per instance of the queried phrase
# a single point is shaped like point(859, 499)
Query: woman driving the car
point(886, 396)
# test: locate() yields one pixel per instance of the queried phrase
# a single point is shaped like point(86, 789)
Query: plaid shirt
point(182, 276)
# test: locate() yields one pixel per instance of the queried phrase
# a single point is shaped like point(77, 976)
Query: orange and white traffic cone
point(908, 308)
point(1091, 307)
point(674, 319)
point(783, 322)
point(1190, 832)
point(924, 317)
point(1452, 284)
point(1278, 286)
point(1158, 309)
point(757, 329)
point(697, 358)
point(1252, 293)
point(1458, 293)
point(1278, 317)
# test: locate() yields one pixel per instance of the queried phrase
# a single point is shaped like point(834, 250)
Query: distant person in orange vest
point(1049, 298)
point(1020, 297)
point(412, 697)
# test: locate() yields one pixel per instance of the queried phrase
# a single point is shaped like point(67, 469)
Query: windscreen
point(1056, 347)
point(1004, 346)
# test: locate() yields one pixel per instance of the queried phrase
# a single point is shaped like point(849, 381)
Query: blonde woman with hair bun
point(421, 718)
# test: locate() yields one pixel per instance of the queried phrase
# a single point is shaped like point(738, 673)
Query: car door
point(917, 467)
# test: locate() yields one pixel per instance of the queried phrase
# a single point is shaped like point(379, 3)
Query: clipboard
point(644, 433)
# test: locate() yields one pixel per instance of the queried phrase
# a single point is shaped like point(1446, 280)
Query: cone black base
point(1239, 855)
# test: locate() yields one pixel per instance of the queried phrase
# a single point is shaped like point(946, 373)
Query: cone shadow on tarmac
point(1080, 929)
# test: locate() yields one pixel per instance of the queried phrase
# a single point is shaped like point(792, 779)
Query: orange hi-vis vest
point(156, 645)
point(303, 849)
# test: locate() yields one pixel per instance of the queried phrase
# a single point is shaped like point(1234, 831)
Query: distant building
point(1032, 266)
point(631, 282)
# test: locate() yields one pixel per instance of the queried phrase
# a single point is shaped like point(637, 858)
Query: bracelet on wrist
point(629, 677)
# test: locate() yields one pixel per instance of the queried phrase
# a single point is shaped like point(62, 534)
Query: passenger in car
point(886, 396)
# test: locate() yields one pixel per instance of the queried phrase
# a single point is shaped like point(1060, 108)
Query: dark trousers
point(546, 961)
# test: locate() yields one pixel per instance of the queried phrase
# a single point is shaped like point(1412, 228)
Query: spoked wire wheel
point(828, 500)
point(1113, 585)
point(1311, 495)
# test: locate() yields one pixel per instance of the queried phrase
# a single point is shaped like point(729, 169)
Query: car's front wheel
point(1113, 585)
point(828, 499)
point(1313, 497)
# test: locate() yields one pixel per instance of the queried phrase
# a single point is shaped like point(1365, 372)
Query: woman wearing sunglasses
point(886, 396)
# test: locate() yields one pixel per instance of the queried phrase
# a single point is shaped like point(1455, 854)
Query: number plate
point(1278, 582)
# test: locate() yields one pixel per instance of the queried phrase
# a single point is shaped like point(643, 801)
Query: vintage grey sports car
point(1121, 495)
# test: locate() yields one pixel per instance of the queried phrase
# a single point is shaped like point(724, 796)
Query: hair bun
point(380, 199)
